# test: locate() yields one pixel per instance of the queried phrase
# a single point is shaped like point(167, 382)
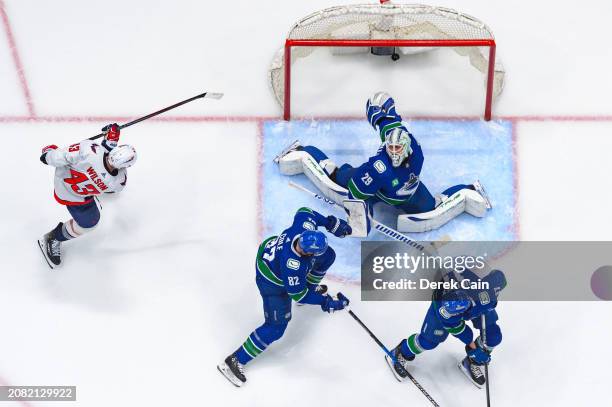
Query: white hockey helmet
point(122, 156)
point(397, 145)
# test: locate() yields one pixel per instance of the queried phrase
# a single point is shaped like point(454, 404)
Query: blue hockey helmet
point(456, 301)
point(313, 242)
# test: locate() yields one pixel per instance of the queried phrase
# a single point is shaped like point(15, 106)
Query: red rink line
point(22, 403)
point(257, 119)
point(259, 165)
point(16, 59)
point(515, 176)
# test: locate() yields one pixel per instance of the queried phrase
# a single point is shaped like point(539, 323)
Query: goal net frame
point(486, 42)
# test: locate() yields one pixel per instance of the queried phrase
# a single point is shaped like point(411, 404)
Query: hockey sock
point(410, 347)
point(60, 233)
point(258, 341)
point(250, 349)
point(70, 230)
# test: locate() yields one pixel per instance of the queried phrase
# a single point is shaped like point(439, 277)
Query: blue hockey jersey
point(280, 264)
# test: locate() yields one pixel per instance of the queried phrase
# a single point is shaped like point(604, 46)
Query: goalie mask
point(397, 145)
point(122, 156)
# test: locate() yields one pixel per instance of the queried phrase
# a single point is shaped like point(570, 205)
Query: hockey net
point(408, 28)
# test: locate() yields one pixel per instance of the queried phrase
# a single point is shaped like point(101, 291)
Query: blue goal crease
point(455, 152)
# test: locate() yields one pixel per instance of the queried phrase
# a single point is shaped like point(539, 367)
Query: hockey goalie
point(391, 176)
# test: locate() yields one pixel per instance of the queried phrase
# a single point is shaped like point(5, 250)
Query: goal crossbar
point(490, 43)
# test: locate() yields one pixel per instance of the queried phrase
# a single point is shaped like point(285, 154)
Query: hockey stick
point(384, 348)
point(484, 343)
point(207, 95)
point(384, 229)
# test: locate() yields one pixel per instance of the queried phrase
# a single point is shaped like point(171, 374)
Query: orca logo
point(409, 187)
point(444, 313)
point(293, 264)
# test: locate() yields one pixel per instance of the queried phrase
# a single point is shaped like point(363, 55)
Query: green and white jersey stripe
point(262, 266)
point(313, 278)
point(305, 209)
point(250, 348)
point(298, 296)
point(356, 192)
point(413, 344)
point(390, 201)
point(457, 330)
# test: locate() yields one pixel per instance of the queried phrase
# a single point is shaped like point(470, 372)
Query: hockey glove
point(111, 135)
point(479, 355)
point(378, 106)
point(45, 150)
point(331, 305)
point(338, 227)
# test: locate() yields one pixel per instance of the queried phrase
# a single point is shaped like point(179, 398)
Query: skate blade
point(390, 363)
point(286, 150)
point(44, 253)
point(480, 189)
point(227, 373)
point(468, 375)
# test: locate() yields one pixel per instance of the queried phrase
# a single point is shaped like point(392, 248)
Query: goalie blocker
point(293, 161)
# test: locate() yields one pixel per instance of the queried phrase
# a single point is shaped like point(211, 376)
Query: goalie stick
point(384, 348)
point(385, 230)
point(208, 95)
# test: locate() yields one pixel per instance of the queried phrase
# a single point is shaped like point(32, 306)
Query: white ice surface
point(163, 289)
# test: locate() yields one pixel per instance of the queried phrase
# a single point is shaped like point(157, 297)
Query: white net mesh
point(387, 22)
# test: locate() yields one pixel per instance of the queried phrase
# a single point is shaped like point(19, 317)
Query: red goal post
point(411, 28)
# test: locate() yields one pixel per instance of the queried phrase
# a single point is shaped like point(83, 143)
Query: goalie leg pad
point(475, 203)
point(423, 222)
point(315, 173)
point(291, 163)
point(465, 200)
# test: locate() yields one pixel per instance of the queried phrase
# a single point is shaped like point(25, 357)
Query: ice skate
point(233, 370)
point(474, 372)
point(51, 249)
point(398, 368)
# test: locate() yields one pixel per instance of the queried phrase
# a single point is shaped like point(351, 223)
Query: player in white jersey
point(83, 171)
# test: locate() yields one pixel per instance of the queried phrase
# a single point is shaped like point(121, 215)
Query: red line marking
point(106, 119)
point(16, 59)
point(515, 187)
point(23, 403)
point(558, 118)
point(235, 118)
point(260, 160)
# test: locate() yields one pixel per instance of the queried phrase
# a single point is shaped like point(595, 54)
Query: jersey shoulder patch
point(309, 225)
point(444, 313)
point(380, 166)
